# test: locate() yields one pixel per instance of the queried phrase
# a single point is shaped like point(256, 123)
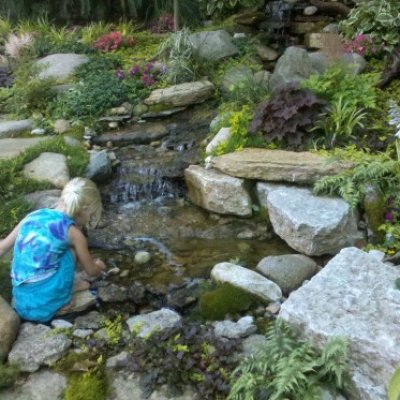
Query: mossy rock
point(374, 206)
point(225, 299)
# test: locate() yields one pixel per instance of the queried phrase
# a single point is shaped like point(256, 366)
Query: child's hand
point(100, 264)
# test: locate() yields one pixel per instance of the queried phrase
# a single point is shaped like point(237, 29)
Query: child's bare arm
point(8, 242)
point(79, 242)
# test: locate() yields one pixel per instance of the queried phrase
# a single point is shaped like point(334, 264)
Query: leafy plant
point(177, 51)
point(287, 115)
point(113, 41)
point(337, 82)
point(364, 45)
point(338, 124)
point(288, 367)
point(195, 356)
point(377, 18)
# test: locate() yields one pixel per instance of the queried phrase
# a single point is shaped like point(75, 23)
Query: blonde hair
point(81, 196)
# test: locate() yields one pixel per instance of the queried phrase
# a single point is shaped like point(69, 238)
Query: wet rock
point(10, 128)
point(277, 165)
point(142, 257)
point(353, 296)
point(9, 324)
point(51, 167)
point(288, 271)
point(35, 346)
point(99, 168)
point(246, 279)
point(217, 192)
point(213, 45)
point(43, 198)
point(60, 66)
point(112, 293)
point(43, 385)
point(164, 321)
point(310, 224)
point(235, 330)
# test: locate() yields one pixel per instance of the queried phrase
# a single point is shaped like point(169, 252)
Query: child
point(47, 245)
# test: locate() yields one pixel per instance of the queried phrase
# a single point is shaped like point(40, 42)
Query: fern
point(288, 367)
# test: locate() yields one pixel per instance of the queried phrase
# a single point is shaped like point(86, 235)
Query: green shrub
point(354, 90)
point(288, 367)
point(220, 8)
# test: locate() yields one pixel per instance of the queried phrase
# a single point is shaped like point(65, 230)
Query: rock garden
point(248, 158)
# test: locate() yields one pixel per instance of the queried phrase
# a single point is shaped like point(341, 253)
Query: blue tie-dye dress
point(43, 265)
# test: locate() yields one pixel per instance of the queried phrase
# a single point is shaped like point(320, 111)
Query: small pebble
point(142, 257)
point(273, 308)
point(61, 324)
point(113, 271)
point(82, 333)
point(124, 273)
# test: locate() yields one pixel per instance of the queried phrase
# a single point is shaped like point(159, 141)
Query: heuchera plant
point(113, 41)
point(287, 115)
point(364, 45)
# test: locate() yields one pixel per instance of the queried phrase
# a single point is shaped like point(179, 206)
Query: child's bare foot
point(80, 286)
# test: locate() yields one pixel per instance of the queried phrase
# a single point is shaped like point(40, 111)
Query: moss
point(374, 206)
point(224, 300)
point(86, 386)
point(8, 375)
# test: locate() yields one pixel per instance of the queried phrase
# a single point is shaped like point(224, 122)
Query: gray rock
point(142, 257)
point(181, 95)
point(9, 325)
point(112, 293)
point(293, 66)
point(82, 333)
point(43, 198)
point(164, 321)
point(246, 279)
point(38, 131)
point(217, 192)
point(253, 344)
point(10, 128)
point(61, 126)
point(353, 296)
point(288, 271)
point(92, 320)
point(277, 165)
point(120, 360)
point(213, 45)
point(61, 324)
point(12, 147)
point(99, 168)
point(310, 10)
point(223, 135)
point(60, 66)
point(36, 346)
point(43, 385)
point(354, 63)
point(51, 167)
point(235, 330)
point(310, 224)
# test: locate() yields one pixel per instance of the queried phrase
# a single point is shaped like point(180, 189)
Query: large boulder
point(312, 225)
point(213, 45)
point(9, 324)
point(217, 192)
point(35, 346)
point(247, 280)
point(277, 165)
point(60, 66)
point(354, 296)
point(294, 65)
point(11, 128)
point(51, 167)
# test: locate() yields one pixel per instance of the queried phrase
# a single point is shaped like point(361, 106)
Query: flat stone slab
point(10, 128)
point(277, 165)
point(354, 296)
point(12, 147)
